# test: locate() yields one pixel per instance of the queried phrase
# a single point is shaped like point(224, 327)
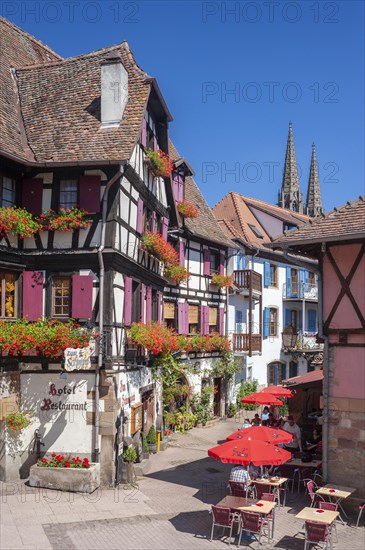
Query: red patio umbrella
point(262, 433)
point(278, 391)
point(261, 398)
point(244, 451)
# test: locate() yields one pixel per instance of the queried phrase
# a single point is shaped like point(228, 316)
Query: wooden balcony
point(247, 342)
point(247, 279)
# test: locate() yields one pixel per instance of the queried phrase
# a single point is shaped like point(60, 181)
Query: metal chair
point(310, 487)
point(238, 489)
point(252, 524)
point(324, 505)
point(361, 509)
point(317, 533)
point(270, 497)
point(222, 517)
point(261, 488)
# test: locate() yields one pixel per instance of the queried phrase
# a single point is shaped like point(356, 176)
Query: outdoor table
point(236, 503)
point(325, 516)
point(336, 494)
point(298, 463)
point(271, 483)
point(263, 507)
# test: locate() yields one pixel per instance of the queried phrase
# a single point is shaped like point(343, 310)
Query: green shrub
point(145, 448)
point(152, 436)
point(245, 389)
point(130, 455)
point(231, 410)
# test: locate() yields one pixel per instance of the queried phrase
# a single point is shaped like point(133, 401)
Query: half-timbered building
point(74, 134)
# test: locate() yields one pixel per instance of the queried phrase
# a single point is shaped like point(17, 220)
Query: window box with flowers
point(17, 422)
point(156, 245)
point(65, 474)
point(221, 281)
point(177, 274)
point(187, 209)
point(18, 221)
point(67, 219)
point(158, 162)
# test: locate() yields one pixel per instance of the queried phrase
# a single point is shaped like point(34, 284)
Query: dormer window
point(256, 231)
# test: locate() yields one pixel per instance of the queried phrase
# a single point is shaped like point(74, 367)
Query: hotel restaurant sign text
point(77, 358)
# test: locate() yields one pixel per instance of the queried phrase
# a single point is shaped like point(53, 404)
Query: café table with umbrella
point(278, 391)
point(262, 433)
point(261, 398)
point(244, 451)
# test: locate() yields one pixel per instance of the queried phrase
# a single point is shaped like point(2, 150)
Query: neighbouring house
point(272, 292)
point(337, 241)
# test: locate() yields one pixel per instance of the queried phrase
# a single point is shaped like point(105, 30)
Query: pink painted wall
point(345, 316)
point(349, 376)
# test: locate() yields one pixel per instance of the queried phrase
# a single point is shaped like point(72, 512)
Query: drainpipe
point(326, 381)
point(116, 176)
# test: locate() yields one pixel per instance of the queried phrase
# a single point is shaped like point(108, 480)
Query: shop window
point(193, 313)
point(8, 288)
point(213, 319)
point(61, 296)
point(169, 314)
point(7, 191)
point(276, 373)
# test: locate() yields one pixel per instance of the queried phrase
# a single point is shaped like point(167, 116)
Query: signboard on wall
point(77, 358)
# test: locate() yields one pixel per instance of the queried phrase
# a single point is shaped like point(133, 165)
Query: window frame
point(8, 204)
point(273, 311)
point(68, 205)
point(276, 373)
point(214, 267)
point(213, 328)
point(53, 302)
point(293, 365)
point(136, 302)
point(3, 281)
point(273, 276)
point(197, 324)
point(170, 322)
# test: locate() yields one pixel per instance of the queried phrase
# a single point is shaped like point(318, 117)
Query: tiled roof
point(237, 211)
point(205, 225)
point(345, 220)
point(306, 378)
point(17, 49)
point(60, 103)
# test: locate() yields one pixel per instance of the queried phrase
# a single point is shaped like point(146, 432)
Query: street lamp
point(289, 336)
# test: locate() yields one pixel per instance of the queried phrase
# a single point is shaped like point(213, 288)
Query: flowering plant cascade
point(221, 281)
point(18, 220)
point(187, 209)
point(155, 244)
point(161, 163)
point(177, 273)
point(59, 461)
point(47, 337)
point(17, 421)
point(65, 220)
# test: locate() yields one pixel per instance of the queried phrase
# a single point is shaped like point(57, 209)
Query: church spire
point(290, 196)
point(314, 199)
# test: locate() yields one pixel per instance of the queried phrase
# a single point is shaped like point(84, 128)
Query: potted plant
point(129, 458)
point(177, 273)
point(145, 449)
point(66, 219)
point(17, 422)
point(17, 220)
point(221, 281)
point(187, 209)
point(159, 162)
point(152, 440)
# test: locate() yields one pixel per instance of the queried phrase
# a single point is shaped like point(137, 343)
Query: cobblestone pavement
point(167, 509)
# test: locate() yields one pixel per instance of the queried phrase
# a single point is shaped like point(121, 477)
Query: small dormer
point(114, 90)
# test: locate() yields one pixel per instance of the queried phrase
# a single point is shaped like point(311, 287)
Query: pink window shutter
point(127, 301)
point(221, 321)
point(181, 318)
point(32, 295)
point(159, 306)
point(221, 263)
point(144, 133)
point(164, 227)
point(182, 253)
point(143, 301)
point(206, 268)
point(204, 319)
point(90, 193)
point(148, 304)
point(175, 186)
point(82, 296)
point(180, 189)
point(153, 221)
point(139, 227)
point(32, 192)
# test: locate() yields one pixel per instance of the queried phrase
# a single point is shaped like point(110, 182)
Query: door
point(217, 396)
point(148, 402)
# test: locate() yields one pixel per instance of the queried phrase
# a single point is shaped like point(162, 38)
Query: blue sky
point(301, 60)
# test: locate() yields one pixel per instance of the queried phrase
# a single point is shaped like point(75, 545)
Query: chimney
point(114, 90)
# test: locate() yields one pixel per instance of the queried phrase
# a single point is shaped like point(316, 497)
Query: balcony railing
point(306, 291)
point(306, 341)
point(241, 342)
point(246, 279)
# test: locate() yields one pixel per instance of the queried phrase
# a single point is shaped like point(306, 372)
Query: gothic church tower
point(290, 196)
point(314, 198)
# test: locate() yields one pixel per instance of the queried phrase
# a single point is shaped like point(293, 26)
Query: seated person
point(265, 416)
point(272, 423)
point(254, 471)
point(246, 424)
point(256, 421)
point(240, 474)
point(313, 441)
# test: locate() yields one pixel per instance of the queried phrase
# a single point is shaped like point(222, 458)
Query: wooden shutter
point(90, 193)
point(82, 296)
point(213, 316)
point(182, 253)
point(169, 310)
point(206, 268)
point(267, 274)
point(32, 295)
point(164, 227)
point(204, 317)
point(32, 192)
point(144, 133)
point(302, 273)
point(193, 315)
point(288, 282)
point(221, 321)
point(148, 304)
point(221, 263)
point(312, 320)
point(127, 301)
point(182, 312)
point(143, 301)
point(139, 227)
point(266, 322)
point(175, 188)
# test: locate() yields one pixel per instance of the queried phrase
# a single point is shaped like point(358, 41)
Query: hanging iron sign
point(77, 358)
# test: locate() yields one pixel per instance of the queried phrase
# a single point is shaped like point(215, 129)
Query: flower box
point(75, 480)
